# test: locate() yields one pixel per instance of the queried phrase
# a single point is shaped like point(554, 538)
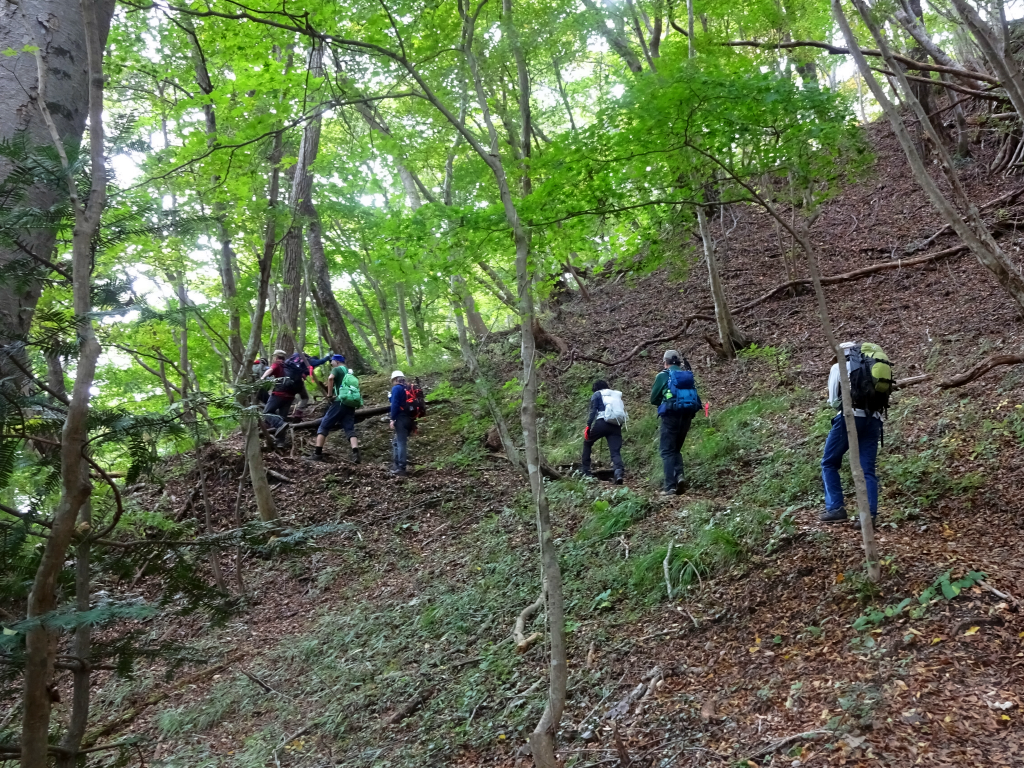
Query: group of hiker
point(287, 377)
point(674, 394)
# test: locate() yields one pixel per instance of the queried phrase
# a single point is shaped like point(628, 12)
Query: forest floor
point(385, 641)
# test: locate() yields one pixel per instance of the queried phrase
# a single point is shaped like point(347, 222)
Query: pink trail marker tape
point(707, 406)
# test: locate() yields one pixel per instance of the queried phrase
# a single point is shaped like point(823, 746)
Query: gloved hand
point(586, 434)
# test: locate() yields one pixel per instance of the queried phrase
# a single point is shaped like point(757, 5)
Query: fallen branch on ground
point(775, 746)
point(523, 643)
point(855, 274)
point(409, 707)
point(666, 567)
point(119, 722)
point(278, 476)
point(362, 414)
point(981, 369)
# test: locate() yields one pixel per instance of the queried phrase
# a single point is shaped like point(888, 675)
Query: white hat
point(848, 345)
point(397, 375)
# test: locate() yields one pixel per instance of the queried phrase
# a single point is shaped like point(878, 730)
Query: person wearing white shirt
point(869, 433)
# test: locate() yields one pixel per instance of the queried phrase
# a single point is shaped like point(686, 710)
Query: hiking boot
point(834, 516)
point(399, 472)
point(618, 480)
point(316, 457)
point(857, 526)
point(682, 487)
point(667, 492)
point(355, 455)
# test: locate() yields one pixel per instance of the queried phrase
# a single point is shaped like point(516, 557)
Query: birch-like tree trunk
point(55, 28)
point(483, 387)
point(728, 334)
point(40, 641)
point(403, 321)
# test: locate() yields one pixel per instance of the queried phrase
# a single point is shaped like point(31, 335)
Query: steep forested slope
point(384, 642)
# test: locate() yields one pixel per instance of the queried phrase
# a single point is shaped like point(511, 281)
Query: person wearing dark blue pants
point(869, 432)
point(869, 435)
point(674, 428)
point(402, 422)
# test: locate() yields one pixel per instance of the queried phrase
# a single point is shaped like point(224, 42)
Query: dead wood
point(620, 747)
point(122, 720)
point(547, 341)
point(409, 707)
point(838, 50)
point(278, 476)
point(855, 274)
point(362, 414)
point(775, 746)
point(980, 370)
point(523, 643)
point(623, 706)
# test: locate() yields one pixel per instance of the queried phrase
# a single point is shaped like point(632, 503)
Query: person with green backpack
point(343, 391)
point(871, 382)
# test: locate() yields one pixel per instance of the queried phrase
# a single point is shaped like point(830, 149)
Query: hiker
point(343, 392)
point(277, 427)
point(407, 405)
point(675, 394)
point(260, 367)
point(607, 415)
point(283, 392)
point(289, 375)
point(870, 383)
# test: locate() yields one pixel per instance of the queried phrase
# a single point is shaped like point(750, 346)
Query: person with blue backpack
point(607, 416)
point(675, 394)
point(345, 397)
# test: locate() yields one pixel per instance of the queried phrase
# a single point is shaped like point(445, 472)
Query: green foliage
point(943, 588)
point(621, 509)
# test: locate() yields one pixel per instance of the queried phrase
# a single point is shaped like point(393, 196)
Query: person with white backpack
point(607, 417)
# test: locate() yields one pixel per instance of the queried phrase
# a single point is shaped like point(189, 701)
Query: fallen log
point(981, 369)
point(122, 720)
point(362, 414)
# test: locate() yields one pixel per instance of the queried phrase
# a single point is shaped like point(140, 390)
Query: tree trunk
point(728, 334)
point(484, 390)
point(860, 485)
point(386, 357)
point(82, 649)
point(40, 642)
point(250, 429)
point(403, 320)
point(616, 38)
point(56, 28)
point(290, 291)
point(476, 322)
point(341, 341)
point(971, 228)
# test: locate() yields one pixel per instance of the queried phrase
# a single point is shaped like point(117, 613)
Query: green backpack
point(871, 379)
point(347, 392)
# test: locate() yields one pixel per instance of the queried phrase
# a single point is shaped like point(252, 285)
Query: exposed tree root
point(524, 643)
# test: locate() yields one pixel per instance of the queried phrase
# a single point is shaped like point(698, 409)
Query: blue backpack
point(681, 393)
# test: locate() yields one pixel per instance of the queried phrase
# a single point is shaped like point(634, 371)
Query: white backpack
point(614, 411)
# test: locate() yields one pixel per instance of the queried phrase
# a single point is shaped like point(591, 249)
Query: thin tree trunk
point(562, 93)
point(227, 261)
point(728, 333)
point(971, 228)
point(403, 319)
point(290, 290)
point(218, 575)
point(476, 322)
point(542, 740)
point(616, 38)
point(374, 326)
point(40, 641)
point(250, 429)
point(354, 322)
point(859, 483)
point(82, 649)
point(691, 46)
point(484, 389)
